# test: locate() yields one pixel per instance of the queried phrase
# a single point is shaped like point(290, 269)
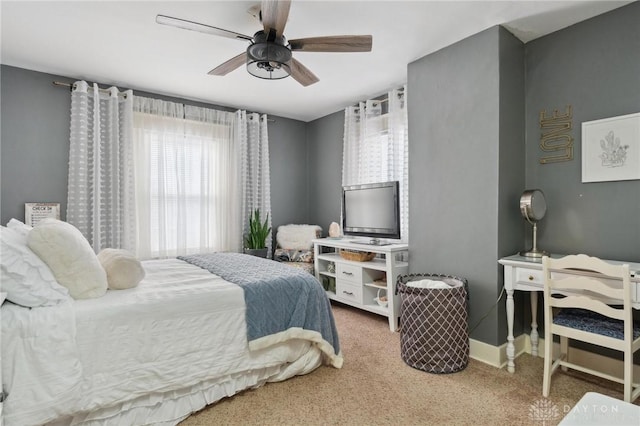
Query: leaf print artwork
point(611, 149)
point(613, 153)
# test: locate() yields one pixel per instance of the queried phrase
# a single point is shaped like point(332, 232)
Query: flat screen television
point(371, 210)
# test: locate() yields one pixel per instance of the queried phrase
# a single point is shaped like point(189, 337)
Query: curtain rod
point(71, 86)
point(386, 97)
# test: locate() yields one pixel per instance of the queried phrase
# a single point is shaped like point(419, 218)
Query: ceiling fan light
point(269, 60)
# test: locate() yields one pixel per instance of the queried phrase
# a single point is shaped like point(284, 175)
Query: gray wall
point(34, 148)
point(471, 109)
point(465, 128)
point(288, 168)
point(324, 139)
point(595, 67)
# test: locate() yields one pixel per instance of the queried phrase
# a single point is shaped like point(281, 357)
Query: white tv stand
point(358, 283)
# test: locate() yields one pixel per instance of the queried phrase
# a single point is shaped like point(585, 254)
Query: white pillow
point(122, 268)
point(20, 227)
point(71, 259)
point(25, 278)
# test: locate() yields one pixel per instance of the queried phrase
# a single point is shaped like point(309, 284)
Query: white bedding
point(147, 355)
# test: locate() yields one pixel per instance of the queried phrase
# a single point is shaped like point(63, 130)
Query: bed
point(185, 337)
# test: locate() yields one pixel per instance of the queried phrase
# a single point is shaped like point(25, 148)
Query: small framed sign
point(35, 212)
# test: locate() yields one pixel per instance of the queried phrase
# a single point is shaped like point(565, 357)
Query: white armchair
point(295, 245)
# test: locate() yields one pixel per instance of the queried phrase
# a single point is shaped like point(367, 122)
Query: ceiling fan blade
point(341, 43)
point(230, 65)
point(194, 26)
point(274, 15)
point(302, 74)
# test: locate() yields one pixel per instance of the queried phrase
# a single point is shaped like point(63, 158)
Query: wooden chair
point(580, 299)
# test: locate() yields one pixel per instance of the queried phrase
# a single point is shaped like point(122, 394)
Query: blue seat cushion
point(594, 322)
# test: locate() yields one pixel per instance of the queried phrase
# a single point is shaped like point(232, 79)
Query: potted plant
point(256, 238)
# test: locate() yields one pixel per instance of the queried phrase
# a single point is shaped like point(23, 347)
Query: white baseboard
point(497, 356)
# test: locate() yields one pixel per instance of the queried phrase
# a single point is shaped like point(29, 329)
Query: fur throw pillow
point(297, 237)
point(70, 257)
point(123, 269)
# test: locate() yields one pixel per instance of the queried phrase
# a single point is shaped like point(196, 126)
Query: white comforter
point(147, 355)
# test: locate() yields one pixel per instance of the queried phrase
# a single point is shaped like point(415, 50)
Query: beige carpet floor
point(375, 387)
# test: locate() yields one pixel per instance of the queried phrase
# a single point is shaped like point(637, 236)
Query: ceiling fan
point(269, 54)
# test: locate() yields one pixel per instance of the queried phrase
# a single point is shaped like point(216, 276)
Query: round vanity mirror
point(533, 207)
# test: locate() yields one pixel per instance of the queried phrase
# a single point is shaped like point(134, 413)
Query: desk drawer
point(535, 278)
point(349, 273)
point(349, 292)
point(529, 276)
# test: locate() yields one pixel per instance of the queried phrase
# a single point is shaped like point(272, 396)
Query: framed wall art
point(611, 149)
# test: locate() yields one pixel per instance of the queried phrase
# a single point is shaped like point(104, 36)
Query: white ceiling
point(119, 43)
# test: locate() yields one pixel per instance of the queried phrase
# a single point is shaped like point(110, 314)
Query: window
point(376, 147)
point(186, 179)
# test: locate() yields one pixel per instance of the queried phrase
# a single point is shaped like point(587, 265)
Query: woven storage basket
point(434, 335)
point(357, 256)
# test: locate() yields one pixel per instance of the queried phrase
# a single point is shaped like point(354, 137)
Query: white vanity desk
point(525, 274)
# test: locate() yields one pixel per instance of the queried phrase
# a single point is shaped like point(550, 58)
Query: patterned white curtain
point(188, 184)
point(253, 143)
point(101, 182)
point(376, 147)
